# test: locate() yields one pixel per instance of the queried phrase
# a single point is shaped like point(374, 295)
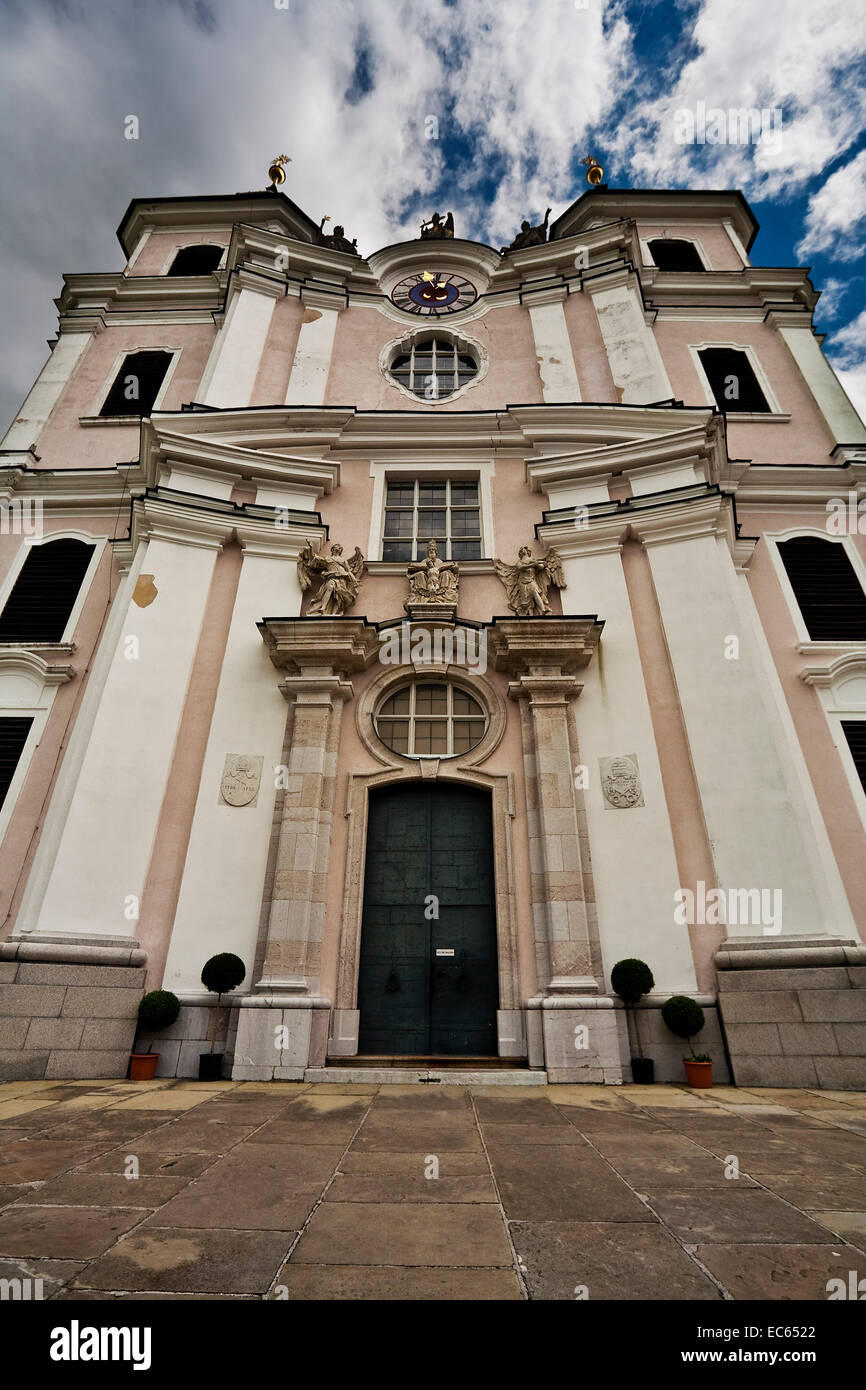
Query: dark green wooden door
point(428, 985)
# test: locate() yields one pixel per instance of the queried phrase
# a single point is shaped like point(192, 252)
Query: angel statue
point(526, 583)
point(432, 580)
point(341, 580)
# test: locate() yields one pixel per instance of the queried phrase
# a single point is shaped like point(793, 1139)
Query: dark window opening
point(38, 608)
point(137, 383)
point(830, 596)
point(196, 260)
point(671, 254)
point(732, 380)
point(855, 732)
point(13, 736)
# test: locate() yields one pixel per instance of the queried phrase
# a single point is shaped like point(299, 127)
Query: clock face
point(432, 293)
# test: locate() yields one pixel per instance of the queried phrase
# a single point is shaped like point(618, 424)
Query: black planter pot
point(642, 1071)
point(210, 1066)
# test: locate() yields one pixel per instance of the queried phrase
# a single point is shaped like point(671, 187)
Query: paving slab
point(818, 1190)
point(562, 1259)
point(774, 1272)
point(257, 1187)
point(540, 1183)
point(677, 1173)
point(561, 1136)
point(430, 1132)
point(63, 1233)
point(150, 1162)
point(413, 1163)
point(191, 1261)
point(850, 1225)
point(36, 1160)
point(428, 1233)
point(361, 1282)
point(355, 1187)
point(505, 1110)
point(743, 1217)
point(53, 1273)
point(104, 1190)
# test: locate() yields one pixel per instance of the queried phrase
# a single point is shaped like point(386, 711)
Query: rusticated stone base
point(795, 1013)
point(68, 1011)
point(580, 1040)
point(279, 1038)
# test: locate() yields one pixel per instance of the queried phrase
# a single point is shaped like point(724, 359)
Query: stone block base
point(795, 1014)
point(279, 1042)
point(581, 1041)
point(667, 1051)
point(181, 1045)
point(68, 1010)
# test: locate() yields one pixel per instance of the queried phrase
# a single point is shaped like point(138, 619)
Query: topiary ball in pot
point(683, 1016)
point(631, 979)
point(221, 973)
point(158, 1009)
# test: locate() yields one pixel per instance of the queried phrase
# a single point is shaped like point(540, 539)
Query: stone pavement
point(282, 1190)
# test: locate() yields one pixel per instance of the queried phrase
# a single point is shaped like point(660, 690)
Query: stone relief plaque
point(620, 782)
point(242, 775)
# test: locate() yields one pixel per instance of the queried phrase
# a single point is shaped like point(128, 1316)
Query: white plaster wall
point(755, 835)
point(842, 419)
point(45, 391)
point(221, 895)
point(635, 360)
point(230, 375)
point(107, 839)
point(312, 364)
point(633, 860)
point(553, 353)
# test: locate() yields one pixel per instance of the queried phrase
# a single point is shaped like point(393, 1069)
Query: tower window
point(732, 380)
point(137, 384)
point(855, 732)
point(826, 587)
point(447, 511)
point(13, 736)
point(44, 595)
point(196, 260)
point(671, 253)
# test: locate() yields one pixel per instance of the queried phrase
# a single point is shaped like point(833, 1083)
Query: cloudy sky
point(392, 108)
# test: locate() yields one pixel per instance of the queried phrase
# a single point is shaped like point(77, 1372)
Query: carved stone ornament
point(620, 782)
point(432, 581)
point(242, 775)
point(340, 580)
point(527, 582)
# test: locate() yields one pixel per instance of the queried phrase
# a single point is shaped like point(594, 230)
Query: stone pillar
point(311, 367)
point(230, 374)
point(570, 1025)
point(839, 415)
point(635, 360)
point(45, 391)
point(283, 1027)
point(553, 351)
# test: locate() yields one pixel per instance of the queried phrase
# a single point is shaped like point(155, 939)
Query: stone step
point(404, 1076)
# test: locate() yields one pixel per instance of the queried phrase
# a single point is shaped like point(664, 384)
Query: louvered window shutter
point(732, 380)
point(45, 591)
point(196, 260)
point(13, 736)
point(830, 595)
point(855, 733)
point(136, 384)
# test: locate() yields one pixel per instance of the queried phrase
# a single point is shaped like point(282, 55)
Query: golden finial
point(594, 172)
point(276, 172)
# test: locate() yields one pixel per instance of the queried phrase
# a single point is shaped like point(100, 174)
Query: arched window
point(13, 736)
point(136, 386)
point(672, 253)
point(434, 719)
point(196, 260)
point(826, 587)
point(44, 595)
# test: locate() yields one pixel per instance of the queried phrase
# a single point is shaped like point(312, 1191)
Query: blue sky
point(393, 108)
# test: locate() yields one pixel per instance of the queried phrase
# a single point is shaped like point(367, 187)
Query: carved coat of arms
point(620, 782)
point(241, 777)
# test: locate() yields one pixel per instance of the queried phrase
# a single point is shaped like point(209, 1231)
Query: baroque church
point(434, 627)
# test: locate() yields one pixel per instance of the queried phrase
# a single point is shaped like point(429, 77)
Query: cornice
point(791, 487)
point(160, 447)
point(658, 205)
point(777, 291)
point(699, 442)
point(21, 661)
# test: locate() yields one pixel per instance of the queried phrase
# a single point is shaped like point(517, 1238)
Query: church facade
point(433, 629)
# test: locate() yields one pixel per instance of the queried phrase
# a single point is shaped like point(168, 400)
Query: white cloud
point(833, 291)
point(836, 216)
point(854, 381)
point(848, 345)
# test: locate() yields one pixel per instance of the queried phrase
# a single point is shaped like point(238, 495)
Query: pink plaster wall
point(276, 365)
point(714, 241)
point(506, 333)
point(64, 443)
point(160, 248)
point(590, 357)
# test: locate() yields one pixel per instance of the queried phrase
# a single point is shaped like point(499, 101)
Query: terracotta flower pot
point(698, 1074)
point(143, 1065)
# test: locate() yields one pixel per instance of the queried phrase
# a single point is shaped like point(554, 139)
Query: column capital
point(544, 653)
point(320, 649)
